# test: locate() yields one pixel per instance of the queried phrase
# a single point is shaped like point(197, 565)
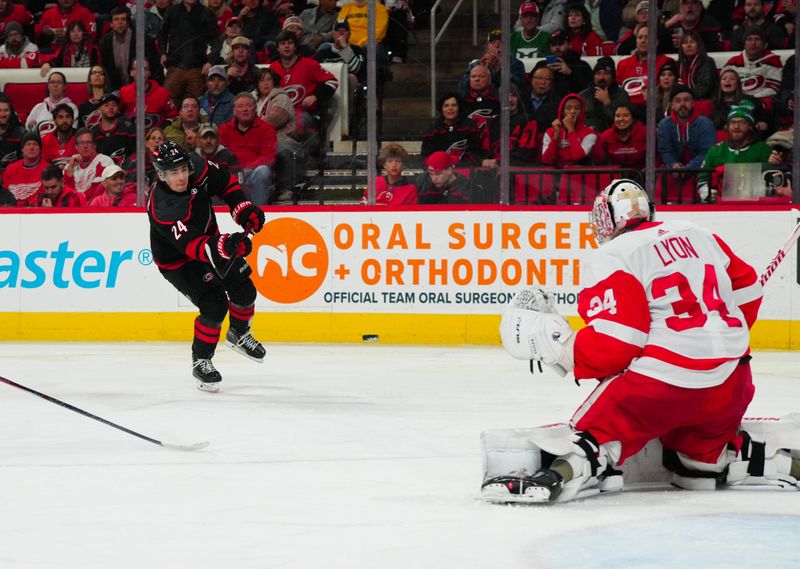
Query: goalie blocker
point(769, 458)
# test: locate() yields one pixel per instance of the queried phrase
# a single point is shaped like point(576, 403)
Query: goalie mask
point(621, 204)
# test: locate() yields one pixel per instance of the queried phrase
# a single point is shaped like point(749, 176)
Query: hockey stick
point(195, 446)
point(780, 256)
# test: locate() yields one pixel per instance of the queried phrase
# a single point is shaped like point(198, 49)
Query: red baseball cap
point(440, 160)
point(529, 7)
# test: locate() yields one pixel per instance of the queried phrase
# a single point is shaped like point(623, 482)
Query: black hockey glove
point(249, 216)
point(230, 245)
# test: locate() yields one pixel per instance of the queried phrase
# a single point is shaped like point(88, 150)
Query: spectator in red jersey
point(152, 140)
point(18, 51)
point(40, 119)
point(221, 10)
point(55, 193)
point(632, 73)
point(11, 132)
point(208, 147)
point(11, 11)
point(242, 72)
point(454, 133)
point(578, 25)
point(158, 107)
point(254, 142)
point(393, 188)
point(117, 193)
point(97, 85)
point(53, 25)
point(23, 178)
point(304, 80)
point(58, 146)
point(114, 135)
point(569, 141)
point(183, 129)
point(624, 144)
point(78, 51)
point(690, 16)
point(440, 184)
point(84, 168)
point(697, 71)
point(118, 50)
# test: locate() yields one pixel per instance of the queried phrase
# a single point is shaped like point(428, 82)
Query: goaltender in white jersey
point(668, 308)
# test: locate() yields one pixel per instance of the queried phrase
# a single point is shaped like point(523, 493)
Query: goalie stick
point(195, 446)
point(780, 256)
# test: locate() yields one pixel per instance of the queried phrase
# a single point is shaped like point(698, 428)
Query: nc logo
point(290, 260)
point(287, 261)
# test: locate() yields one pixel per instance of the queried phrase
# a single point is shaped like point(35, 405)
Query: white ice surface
point(333, 456)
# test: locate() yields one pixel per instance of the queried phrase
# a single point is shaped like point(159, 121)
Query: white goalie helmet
point(619, 205)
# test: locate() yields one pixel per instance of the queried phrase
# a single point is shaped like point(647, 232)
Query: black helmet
point(169, 156)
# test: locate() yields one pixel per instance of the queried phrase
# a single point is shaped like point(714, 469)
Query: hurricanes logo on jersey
point(296, 93)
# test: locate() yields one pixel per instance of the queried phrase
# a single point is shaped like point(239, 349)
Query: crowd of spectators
point(241, 83)
point(574, 115)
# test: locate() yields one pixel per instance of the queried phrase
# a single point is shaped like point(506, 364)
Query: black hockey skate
point(542, 487)
point(245, 344)
point(208, 378)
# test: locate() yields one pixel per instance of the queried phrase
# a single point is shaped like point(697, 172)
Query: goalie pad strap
point(672, 462)
point(588, 444)
point(755, 453)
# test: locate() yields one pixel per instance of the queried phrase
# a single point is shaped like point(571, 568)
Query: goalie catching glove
point(531, 329)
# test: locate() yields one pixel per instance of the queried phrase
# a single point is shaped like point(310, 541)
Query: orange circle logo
point(289, 260)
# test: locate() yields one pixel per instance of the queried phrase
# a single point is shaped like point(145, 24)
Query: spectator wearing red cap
point(440, 184)
point(393, 188)
point(530, 41)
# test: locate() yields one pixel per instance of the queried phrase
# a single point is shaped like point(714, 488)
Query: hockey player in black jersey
point(205, 266)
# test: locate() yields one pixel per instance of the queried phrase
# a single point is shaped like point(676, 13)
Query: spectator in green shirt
point(530, 41)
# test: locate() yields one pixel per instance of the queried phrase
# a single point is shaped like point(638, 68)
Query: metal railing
point(436, 37)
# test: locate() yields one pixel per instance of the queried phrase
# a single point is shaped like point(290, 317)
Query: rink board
point(403, 275)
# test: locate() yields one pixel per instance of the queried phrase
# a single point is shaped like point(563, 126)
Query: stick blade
point(189, 447)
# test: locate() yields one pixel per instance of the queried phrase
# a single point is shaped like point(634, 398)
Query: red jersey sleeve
point(616, 312)
point(746, 287)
